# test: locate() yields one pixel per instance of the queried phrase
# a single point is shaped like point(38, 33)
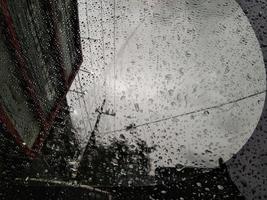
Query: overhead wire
point(190, 113)
point(114, 58)
point(79, 101)
point(85, 106)
point(91, 54)
point(103, 49)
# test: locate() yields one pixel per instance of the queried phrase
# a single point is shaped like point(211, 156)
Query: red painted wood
point(46, 121)
point(9, 126)
point(21, 64)
point(58, 105)
point(68, 81)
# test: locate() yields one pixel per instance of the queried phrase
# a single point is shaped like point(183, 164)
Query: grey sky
point(171, 58)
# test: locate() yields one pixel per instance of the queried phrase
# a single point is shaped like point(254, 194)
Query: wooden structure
point(40, 56)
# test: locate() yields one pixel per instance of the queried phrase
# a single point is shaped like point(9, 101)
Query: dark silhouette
point(117, 164)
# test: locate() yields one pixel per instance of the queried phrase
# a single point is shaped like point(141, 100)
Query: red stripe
point(51, 117)
point(13, 132)
point(41, 137)
point(21, 64)
point(46, 122)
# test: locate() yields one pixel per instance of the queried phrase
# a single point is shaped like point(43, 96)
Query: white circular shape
point(177, 57)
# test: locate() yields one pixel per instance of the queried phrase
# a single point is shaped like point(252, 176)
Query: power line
point(89, 38)
point(86, 71)
point(190, 113)
point(103, 50)
point(78, 92)
point(114, 57)
point(90, 49)
point(80, 104)
point(86, 110)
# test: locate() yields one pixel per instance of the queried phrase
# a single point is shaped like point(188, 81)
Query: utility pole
point(91, 144)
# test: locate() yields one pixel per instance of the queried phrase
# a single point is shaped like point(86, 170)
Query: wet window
point(133, 99)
